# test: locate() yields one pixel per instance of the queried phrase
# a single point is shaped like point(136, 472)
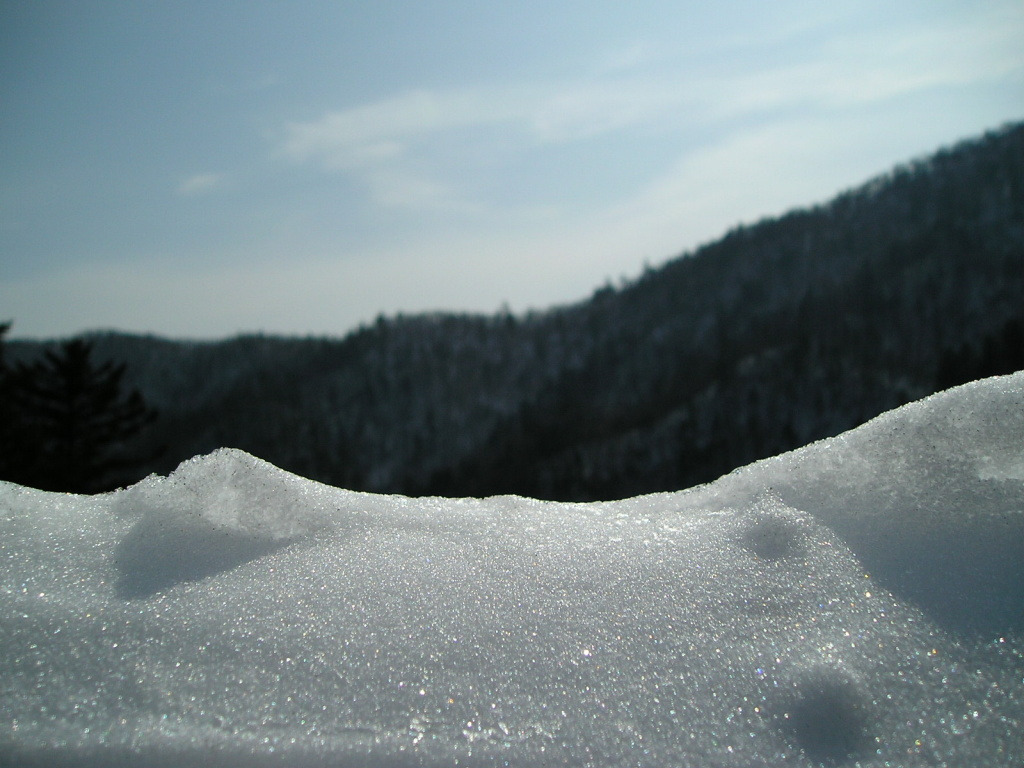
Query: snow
point(857, 602)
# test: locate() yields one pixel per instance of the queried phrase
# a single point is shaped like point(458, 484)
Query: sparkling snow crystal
point(857, 602)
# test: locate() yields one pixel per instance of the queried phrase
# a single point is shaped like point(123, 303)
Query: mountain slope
point(780, 333)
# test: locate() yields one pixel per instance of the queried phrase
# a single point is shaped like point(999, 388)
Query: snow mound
point(797, 612)
point(930, 497)
point(212, 514)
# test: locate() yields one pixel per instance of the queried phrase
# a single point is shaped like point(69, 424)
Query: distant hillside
point(780, 333)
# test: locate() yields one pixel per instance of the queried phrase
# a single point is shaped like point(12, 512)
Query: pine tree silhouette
point(6, 413)
point(70, 422)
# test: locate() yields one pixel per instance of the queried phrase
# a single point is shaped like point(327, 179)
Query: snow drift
point(857, 602)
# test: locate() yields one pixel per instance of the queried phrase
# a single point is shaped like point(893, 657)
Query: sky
point(201, 169)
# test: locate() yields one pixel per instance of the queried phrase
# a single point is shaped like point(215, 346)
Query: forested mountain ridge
point(784, 332)
point(781, 332)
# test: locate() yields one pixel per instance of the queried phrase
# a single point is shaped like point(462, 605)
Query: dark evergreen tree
point(70, 422)
point(6, 412)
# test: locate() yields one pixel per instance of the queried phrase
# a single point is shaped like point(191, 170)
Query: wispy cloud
point(371, 133)
point(199, 184)
point(409, 150)
point(386, 130)
point(428, 151)
point(883, 63)
point(383, 144)
point(982, 49)
point(586, 109)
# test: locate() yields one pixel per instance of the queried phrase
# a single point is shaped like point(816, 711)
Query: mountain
point(782, 332)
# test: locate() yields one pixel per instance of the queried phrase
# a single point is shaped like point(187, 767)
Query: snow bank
point(857, 602)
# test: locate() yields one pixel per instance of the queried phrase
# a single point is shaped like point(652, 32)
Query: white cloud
point(587, 109)
point(386, 130)
point(884, 63)
point(199, 184)
point(379, 143)
point(380, 131)
point(845, 72)
point(410, 151)
point(983, 49)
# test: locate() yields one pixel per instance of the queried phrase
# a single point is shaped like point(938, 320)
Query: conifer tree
point(70, 421)
point(6, 413)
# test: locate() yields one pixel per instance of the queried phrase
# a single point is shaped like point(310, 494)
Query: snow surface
point(857, 602)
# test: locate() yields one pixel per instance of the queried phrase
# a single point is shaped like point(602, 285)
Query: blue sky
point(199, 169)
